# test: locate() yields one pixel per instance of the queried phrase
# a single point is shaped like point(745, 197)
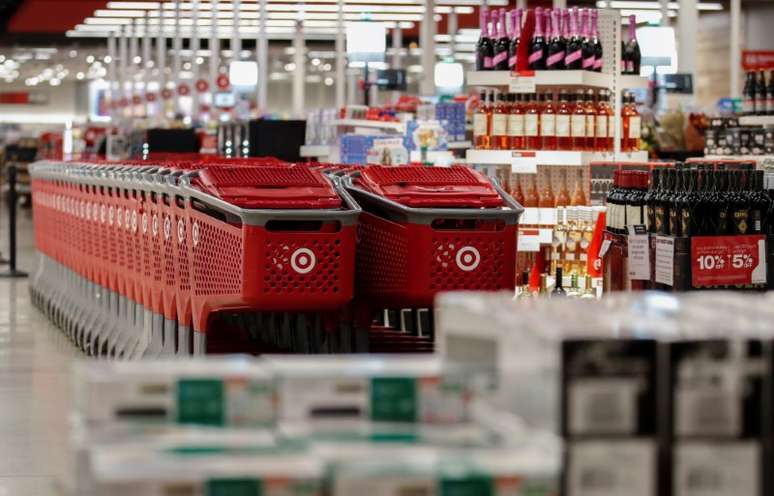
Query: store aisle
point(35, 361)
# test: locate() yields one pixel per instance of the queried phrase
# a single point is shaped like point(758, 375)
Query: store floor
point(35, 362)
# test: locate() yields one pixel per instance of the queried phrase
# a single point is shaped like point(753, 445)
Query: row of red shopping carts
point(192, 256)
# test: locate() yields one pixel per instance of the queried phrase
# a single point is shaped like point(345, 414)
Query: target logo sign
point(195, 233)
point(167, 228)
point(303, 260)
point(102, 214)
point(468, 258)
point(134, 221)
point(145, 223)
point(180, 231)
point(111, 213)
point(155, 226)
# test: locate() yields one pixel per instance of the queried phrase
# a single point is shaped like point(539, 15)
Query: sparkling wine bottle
point(596, 41)
point(500, 61)
point(513, 47)
point(632, 55)
point(556, 47)
point(587, 46)
point(484, 48)
point(537, 49)
point(573, 59)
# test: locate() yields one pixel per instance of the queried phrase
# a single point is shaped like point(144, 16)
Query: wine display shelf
point(756, 120)
point(586, 79)
point(525, 161)
point(763, 161)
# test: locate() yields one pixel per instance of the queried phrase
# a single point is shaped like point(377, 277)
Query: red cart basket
point(272, 238)
point(429, 229)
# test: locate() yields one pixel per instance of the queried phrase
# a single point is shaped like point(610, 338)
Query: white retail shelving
point(585, 79)
point(315, 150)
point(392, 126)
point(526, 161)
point(757, 120)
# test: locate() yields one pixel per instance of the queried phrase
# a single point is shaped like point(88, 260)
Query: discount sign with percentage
point(728, 260)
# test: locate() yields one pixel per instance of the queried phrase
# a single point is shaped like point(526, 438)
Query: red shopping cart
point(430, 229)
point(267, 239)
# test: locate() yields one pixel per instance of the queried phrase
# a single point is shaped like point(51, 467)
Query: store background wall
point(714, 49)
point(69, 101)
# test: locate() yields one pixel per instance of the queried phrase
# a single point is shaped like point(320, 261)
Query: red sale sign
point(753, 60)
point(728, 260)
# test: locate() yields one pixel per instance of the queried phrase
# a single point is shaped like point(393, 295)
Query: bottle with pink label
point(500, 60)
point(513, 47)
point(537, 49)
point(573, 59)
point(595, 41)
point(556, 47)
point(588, 42)
point(484, 48)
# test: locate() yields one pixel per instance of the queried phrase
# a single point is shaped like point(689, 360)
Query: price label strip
point(522, 82)
point(728, 260)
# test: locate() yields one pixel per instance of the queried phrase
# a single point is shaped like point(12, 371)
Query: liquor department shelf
point(763, 161)
point(522, 160)
point(553, 78)
point(756, 120)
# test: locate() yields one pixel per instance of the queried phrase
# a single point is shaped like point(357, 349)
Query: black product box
point(609, 407)
point(718, 414)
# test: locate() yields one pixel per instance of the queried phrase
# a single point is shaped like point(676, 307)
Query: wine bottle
point(537, 49)
point(740, 208)
point(598, 51)
point(748, 94)
point(578, 123)
point(556, 47)
point(548, 122)
point(650, 207)
point(563, 197)
point(591, 117)
point(484, 48)
point(532, 123)
point(558, 290)
point(633, 55)
point(481, 125)
point(573, 59)
point(513, 47)
point(500, 61)
point(761, 101)
point(587, 45)
point(516, 123)
point(770, 97)
point(563, 111)
point(499, 138)
point(760, 204)
point(566, 26)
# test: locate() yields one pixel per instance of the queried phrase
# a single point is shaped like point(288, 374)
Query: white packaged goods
point(206, 472)
point(488, 473)
point(381, 389)
point(234, 391)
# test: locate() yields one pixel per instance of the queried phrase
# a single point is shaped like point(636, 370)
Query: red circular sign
point(183, 89)
point(151, 97)
point(124, 102)
point(166, 93)
point(137, 99)
point(202, 85)
point(204, 107)
point(223, 82)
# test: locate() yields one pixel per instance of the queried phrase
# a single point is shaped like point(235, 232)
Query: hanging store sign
point(757, 59)
point(223, 82)
point(166, 93)
point(183, 89)
point(137, 99)
point(202, 86)
point(151, 97)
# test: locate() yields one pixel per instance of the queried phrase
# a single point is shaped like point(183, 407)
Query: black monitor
point(391, 79)
point(280, 139)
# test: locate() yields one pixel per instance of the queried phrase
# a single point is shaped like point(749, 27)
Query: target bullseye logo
point(155, 226)
point(144, 222)
point(167, 228)
point(468, 258)
point(195, 233)
point(303, 260)
point(180, 231)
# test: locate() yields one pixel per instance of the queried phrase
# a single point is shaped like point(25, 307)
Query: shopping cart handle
point(428, 215)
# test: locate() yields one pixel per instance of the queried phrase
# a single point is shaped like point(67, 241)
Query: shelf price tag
point(639, 253)
point(728, 260)
point(522, 82)
point(665, 260)
point(523, 163)
point(529, 240)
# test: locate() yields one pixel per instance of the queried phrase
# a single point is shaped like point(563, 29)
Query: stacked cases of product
point(653, 394)
point(725, 137)
point(300, 426)
point(580, 120)
point(691, 203)
point(138, 260)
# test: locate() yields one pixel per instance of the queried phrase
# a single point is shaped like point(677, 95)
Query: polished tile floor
point(35, 361)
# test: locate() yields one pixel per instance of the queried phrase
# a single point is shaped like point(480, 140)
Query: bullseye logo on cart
point(303, 260)
point(468, 258)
